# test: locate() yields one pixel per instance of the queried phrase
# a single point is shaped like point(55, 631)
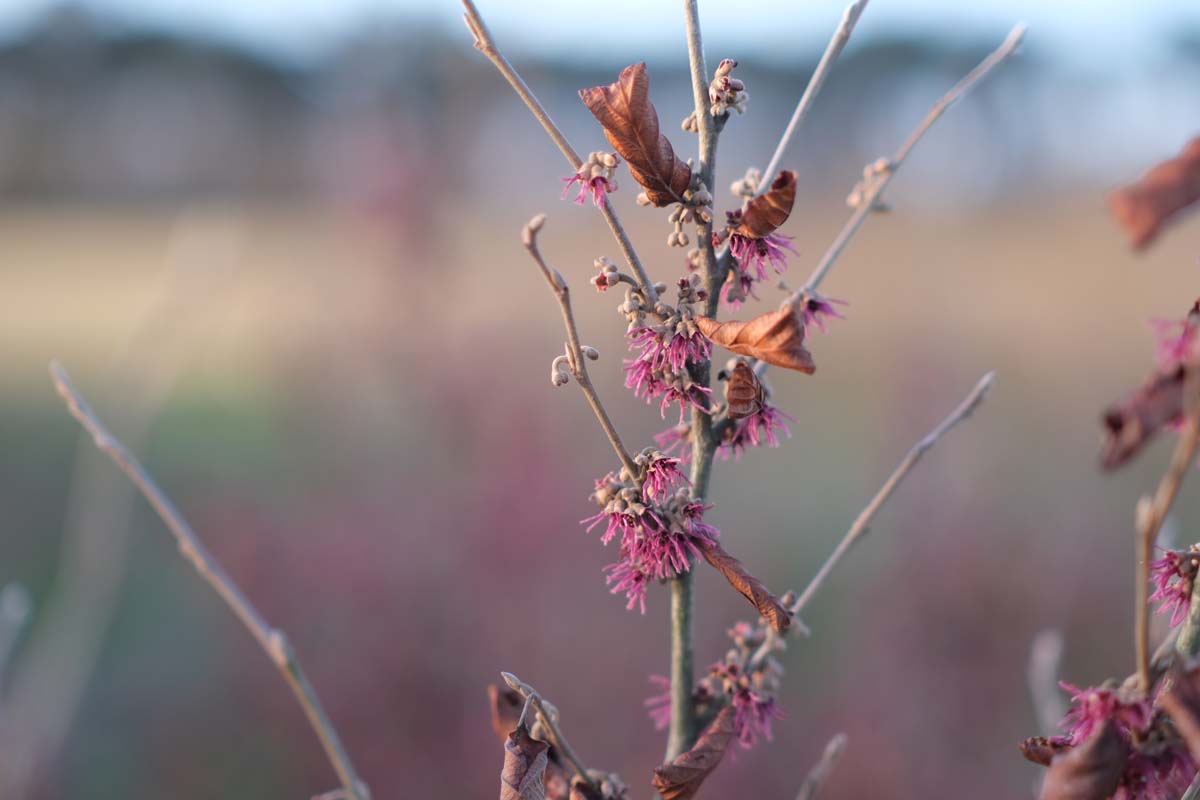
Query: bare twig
point(1193, 792)
point(824, 67)
point(485, 44)
point(860, 526)
point(549, 721)
point(820, 771)
point(882, 176)
point(272, 640)
point(1045, 657)
point(576, 361)
point(1149, 518)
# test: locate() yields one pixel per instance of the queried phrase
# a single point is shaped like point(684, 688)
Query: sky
point(1089, 32)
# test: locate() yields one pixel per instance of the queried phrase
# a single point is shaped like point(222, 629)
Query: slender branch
point(1149, 519)
point(549, 722)
point(558, 285)
point(485, 44)
point(15, 608)
point(820, 771)
point(272, 640)
point(860, 526)
point(824, 67)
point(1045, 659)
point(880, 177)
point(1193, 792)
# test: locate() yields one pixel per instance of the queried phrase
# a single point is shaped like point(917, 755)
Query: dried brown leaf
point(1090, 771)
point(1182, 703)
point(506, 705)
point(1143, 207)
point(743, 392)
point(767, 212)
point(681, 779)
point(776, 337)
point(1134, 421)
point(631, 126)
point(1041, 750)
point(524, 769)
point(749, 586)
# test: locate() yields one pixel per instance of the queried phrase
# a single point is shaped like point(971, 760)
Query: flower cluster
point(1173, 576)
point(726, 93)
point(666, 347)
point(659, 530)
point(751, 257)
point(815, 309)
point(745, 679)
point(596, 174)
point(767, 426)
point(1158, 766)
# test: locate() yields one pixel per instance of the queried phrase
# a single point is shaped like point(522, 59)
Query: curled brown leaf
point(1136, 419)
point(743, 392)
point(631, 126)
point(767, 212)
point(506, 705)
point(524, 769)
point(1143, 207)
point(1091, 771)
point(1182, 703)
point(682, 778)
point(776, 337)
point(1041, 750)
point(747, 585)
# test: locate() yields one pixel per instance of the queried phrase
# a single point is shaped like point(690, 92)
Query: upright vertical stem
point(684, 728)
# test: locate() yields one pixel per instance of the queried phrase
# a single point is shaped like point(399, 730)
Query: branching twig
point(548, 720)
point(820, 771)
point(272, 640)
point(579, 372)
point(881, 177)
point(1151, 512)
point(860, 526)
point(485, 44)
point(824, 67)
point(1045, 657)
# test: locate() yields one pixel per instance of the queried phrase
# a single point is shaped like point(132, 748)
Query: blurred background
point(277, 246)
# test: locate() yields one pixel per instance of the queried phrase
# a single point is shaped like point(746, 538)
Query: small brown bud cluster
point(695, 210)
point(691, 289)
point(600, 164)
point(871, 174)
point(606, 275)
point(725, 92)
point(747, 186)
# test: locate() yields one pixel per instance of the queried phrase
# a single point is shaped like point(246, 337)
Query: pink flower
point(674, 350)
point(693, 515)
point(665, 385)
point(754, 430)
point(1176, 341)
point(676, 438)
point(598, 184)
point(658, 706)
point(738, 287)
point(760, 252)
point(1093, 706)
point(1173, 576)
point(629, 577)
point(662, 475)
point(817, 308)
point(752, 715)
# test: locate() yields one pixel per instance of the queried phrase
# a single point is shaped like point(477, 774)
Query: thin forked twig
point(881, 177)
point(862, 523)
point(574, 350)
point(1151, 512)
point(820, 771)
point(485, 44)
point(834, 49)
point(272, 640)
point(548, 721)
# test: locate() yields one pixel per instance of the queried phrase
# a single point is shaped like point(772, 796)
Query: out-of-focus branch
point(881, 174)
point(15, 608)
point(485, 44)
point(576, 357)
point(834, 49)
point(272, 640)
point(1045, 658)
point(861, 525)
point(820, 771)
